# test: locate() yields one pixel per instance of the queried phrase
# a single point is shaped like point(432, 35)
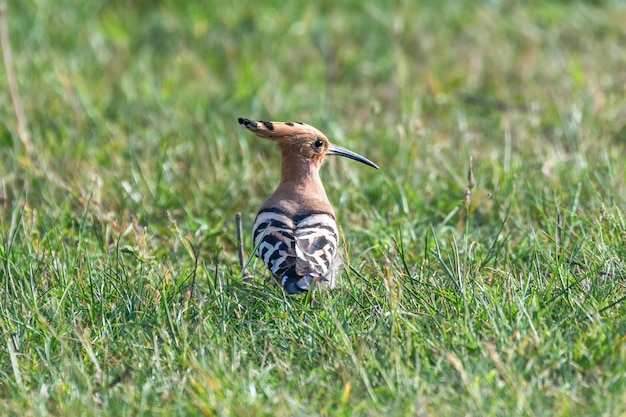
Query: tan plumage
point(295, 232)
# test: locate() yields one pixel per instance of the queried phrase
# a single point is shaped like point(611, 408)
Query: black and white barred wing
point(315, 245)
point(275, 242)
point(296, 250)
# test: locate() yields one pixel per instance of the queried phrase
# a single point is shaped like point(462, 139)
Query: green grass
point(120, 289)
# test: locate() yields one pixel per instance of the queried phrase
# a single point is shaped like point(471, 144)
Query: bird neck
point(300, 179)
point(300, 188)
point(300, 176)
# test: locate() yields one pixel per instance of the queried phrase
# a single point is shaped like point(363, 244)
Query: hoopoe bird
point(294, 232)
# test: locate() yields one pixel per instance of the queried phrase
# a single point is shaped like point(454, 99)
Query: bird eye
point(319, 143)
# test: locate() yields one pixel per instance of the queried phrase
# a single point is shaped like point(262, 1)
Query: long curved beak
point(339, 151)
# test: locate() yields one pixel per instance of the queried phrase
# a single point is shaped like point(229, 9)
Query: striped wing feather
point(305, 247)
point(316, 245)
point(273, 237)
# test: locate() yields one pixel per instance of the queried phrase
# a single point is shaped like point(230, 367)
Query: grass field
point(121, 293)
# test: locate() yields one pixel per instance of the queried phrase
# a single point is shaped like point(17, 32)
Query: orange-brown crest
point(294, 138)
point(300, 141)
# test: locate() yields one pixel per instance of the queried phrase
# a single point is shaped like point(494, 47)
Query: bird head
point(296, 139)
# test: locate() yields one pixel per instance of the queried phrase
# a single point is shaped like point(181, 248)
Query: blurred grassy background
point(120, 283)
